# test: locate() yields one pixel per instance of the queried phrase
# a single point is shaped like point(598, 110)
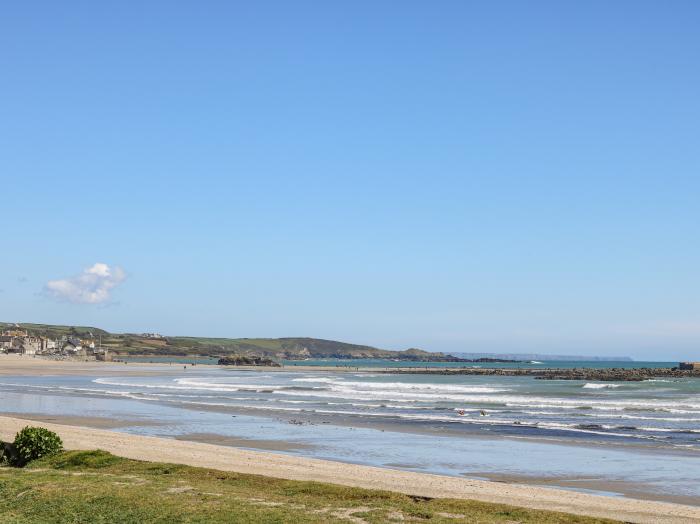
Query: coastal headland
point(86, 341)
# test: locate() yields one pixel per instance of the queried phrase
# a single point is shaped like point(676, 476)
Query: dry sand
point(235, 442)
point(37, 366)
point(421, 484)
point(12, 364)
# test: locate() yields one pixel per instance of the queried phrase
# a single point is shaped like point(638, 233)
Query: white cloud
point(92, 286)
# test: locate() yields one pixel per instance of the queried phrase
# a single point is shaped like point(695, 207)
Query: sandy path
point(297, 468)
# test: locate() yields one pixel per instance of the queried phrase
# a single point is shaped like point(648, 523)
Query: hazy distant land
point(543, 356)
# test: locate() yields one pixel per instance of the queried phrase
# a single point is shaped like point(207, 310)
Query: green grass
point(97, 487)
point(55, 331)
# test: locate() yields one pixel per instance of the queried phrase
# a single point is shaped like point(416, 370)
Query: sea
point(622, 438)
point(390, 364)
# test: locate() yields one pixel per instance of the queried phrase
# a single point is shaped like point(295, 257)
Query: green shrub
point(82, 459)
point(33, 443)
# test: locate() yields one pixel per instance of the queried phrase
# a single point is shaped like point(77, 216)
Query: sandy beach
point(296, 468)
point(12, 364)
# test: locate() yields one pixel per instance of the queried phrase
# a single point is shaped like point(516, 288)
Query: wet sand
point(592, 485)
point(89, 422)
point(235, 442)
point(420, 484)
point(443, 429)
point(36, 366)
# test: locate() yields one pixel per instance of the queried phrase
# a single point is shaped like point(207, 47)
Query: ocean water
point(664, 412)
point(661, 412)
point(526, 364)
point(647, 432)
point(389, 364)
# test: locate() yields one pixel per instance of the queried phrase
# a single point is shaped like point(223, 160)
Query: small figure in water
point(483, 413)
point(460, 412)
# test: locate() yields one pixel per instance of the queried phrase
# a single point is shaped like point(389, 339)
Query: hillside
point(292, 348)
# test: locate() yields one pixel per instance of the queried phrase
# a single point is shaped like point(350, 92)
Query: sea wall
point(611, 374)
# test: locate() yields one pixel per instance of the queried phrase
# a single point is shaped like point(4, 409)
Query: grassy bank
point(95, 486)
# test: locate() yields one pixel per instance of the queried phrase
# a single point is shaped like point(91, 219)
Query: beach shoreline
point(471, 450)
point(417, 484)
point(578, 482)
point(21, 365)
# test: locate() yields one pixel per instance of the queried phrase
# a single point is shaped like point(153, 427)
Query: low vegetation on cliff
point(292, 348)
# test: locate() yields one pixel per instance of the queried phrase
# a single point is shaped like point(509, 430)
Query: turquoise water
point(381, 363)
point(531, 364)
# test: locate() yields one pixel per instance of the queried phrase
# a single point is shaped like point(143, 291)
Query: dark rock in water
point(595, 427)
point(242, 360)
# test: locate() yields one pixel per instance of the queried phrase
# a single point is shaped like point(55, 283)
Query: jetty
point(602, 374)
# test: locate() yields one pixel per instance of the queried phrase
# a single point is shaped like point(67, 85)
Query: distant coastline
point(543, 356)
point(56, 338)
point(145, 345)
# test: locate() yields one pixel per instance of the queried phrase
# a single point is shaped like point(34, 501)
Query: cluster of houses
point(19, 341)
point(156, 336)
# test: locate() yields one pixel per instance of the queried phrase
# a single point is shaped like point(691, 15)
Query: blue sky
point(456, 176)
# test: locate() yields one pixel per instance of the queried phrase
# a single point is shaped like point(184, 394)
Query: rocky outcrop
point(242, 360)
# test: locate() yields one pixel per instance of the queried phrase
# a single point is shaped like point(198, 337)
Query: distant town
point(20, 341)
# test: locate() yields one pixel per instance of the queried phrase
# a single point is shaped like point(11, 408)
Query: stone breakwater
point(611, 374)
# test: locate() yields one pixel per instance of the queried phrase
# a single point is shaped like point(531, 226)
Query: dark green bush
point(33, 443)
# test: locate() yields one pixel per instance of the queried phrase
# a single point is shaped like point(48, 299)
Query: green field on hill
point(276, 348)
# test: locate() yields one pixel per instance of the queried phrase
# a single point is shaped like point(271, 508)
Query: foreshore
point(417, 484)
